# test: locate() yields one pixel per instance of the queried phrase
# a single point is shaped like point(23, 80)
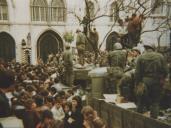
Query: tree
point(68, 37)
point(143, 8)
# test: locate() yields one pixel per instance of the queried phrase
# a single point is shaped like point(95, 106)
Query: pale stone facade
point(20, 23)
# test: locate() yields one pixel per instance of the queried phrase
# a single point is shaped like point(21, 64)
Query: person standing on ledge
point(68, 66)
point(80, 45)
point(151, 71)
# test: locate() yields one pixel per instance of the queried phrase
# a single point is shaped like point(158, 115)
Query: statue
point(29, 39)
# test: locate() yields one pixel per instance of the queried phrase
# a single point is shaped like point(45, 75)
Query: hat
point(7, 78)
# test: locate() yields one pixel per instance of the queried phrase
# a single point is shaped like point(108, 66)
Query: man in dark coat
point(6, 84)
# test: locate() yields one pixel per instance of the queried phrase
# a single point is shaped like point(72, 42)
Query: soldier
point(151, 70)
point(68, 66)
point(117, 62)
point(126, 83)
point(80, 44)
point(135, 53)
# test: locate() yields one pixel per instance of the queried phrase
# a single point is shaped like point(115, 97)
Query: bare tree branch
point(76, 16)
point(157, 28)
point(107, 34)
point(133, 6)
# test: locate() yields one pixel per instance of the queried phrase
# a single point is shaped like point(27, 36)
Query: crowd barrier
point(117, 117)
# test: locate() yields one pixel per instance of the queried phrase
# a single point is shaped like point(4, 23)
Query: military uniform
point(68, 67)
point(117, 62)
point(80, 45)
point(117, 58)
point(126, 85)
point(151, 69)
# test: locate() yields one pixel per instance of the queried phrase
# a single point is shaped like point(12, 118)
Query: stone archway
point(111, 40)
point(7, 47)
point(49, 43)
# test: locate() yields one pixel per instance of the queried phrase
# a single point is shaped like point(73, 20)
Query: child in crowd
point(91, 119)
point(67, 111)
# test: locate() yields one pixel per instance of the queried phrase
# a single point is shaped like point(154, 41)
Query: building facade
point(36, 27)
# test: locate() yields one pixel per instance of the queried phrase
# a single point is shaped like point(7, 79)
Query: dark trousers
point(69, 77)
point(151, 98)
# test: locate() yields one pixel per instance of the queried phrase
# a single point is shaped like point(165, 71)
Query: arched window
point(7, 47)
point(39, 10)
point(3, 10)
point(49, 43)
point(57, 10)
point(114, 12)
point(91, 8)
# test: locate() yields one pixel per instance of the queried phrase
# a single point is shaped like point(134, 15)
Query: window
point(39, 10)
point(161, 8)
point(54, 12)
point(114, 13)
point(3, 10)
point(169, 8)
point(91, 9)
point(157, 7)
point(57, 10)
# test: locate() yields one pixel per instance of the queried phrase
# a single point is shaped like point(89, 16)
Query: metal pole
point(170, 41)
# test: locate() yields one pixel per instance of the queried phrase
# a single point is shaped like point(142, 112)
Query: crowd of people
point(35, 94)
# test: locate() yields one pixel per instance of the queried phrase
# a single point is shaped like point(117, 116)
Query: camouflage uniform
point(126, 85)
point(151, 69)
point(68, 67)
point(117, 62)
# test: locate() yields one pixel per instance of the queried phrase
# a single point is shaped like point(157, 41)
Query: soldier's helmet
point(117, 46)
point(149, 45)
